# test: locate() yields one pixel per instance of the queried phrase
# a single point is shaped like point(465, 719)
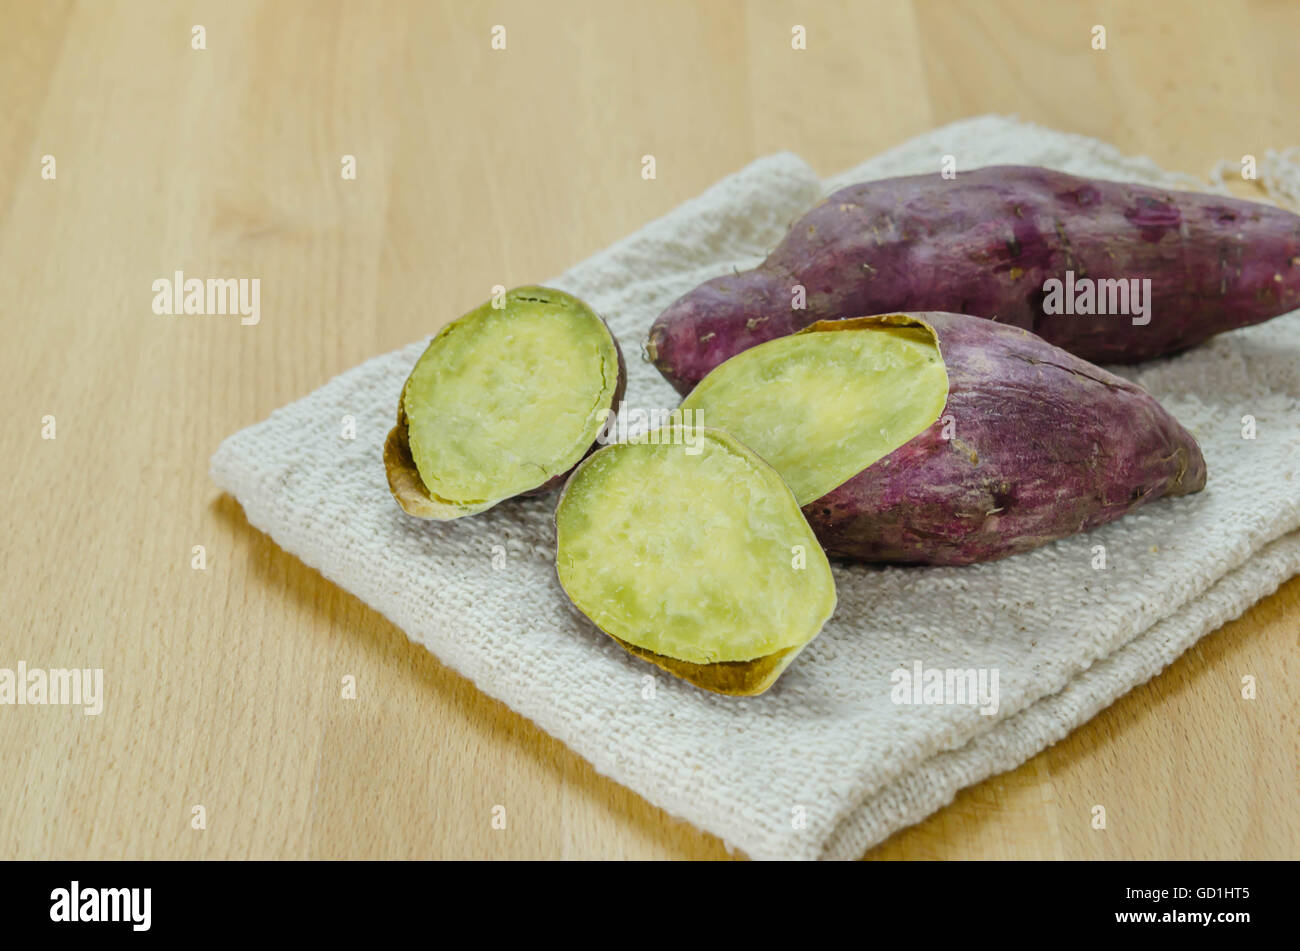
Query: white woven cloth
point(825, 764)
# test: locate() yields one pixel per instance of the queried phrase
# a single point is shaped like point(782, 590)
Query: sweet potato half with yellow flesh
point(505, 401)
point(943, 439)
point(691, 553)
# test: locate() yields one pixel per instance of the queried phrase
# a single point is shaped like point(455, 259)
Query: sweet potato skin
point(1033, 445)
point(984, 244)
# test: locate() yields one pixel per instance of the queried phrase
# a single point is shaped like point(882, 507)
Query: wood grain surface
point(478, 167)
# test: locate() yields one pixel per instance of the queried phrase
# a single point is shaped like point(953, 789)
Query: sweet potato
point(505, 401)
point(691, 553)
point(944, 439)
point(987, 243)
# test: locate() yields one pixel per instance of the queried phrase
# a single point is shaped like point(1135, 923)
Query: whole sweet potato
point(944, 439)
point(988, 243)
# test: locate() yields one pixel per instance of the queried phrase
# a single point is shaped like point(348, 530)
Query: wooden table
point(478, 167)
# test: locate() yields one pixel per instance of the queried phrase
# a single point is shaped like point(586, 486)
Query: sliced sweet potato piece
point(503, 402)
point(692, 553)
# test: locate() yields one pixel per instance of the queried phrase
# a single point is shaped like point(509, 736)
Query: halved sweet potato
point(692, 554)
point(503, 402)
point(938, 438)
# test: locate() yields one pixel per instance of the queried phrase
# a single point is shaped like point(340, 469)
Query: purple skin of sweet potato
point(1042, 445)
point(984, 243)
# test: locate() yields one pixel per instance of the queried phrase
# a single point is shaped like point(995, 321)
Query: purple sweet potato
point(988, 243)
point(944, 439)
point(505, 401)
